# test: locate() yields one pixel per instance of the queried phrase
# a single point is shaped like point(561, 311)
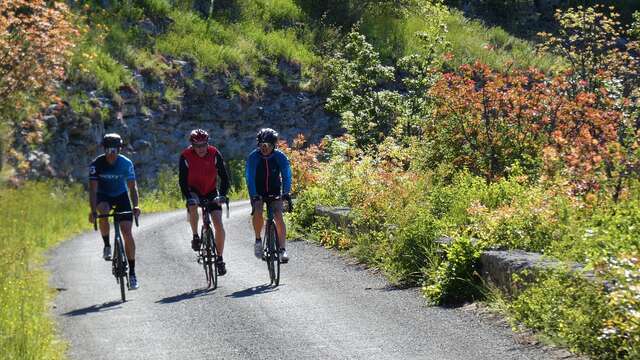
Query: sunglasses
point(111, 150)
point(200, 145)
point(265, 145)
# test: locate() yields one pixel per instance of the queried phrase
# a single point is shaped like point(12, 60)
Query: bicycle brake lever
point(136, 219)
point(227, 202)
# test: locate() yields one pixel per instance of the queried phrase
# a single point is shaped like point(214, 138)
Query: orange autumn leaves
point(494, 119)
point(35, 39)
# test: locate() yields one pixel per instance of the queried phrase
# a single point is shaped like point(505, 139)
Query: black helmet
point(267, 135)
point(112, 140)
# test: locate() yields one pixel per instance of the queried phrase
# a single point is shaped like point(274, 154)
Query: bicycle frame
point(208, 254)
point(119, 261)
point(270, 245)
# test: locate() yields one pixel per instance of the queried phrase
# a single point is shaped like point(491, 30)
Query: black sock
point(258, 239)
point(132, 267)
point(220, 258)
point(196, 236)
point(105, 238)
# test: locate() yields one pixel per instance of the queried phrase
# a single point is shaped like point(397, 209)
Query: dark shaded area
point(257, 290)
point(94, 308)
point(184, 296)
point(525, 18)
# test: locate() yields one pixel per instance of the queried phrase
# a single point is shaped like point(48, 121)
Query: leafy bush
point(456, 279)
point(411, 248)
point(622, 327)
point(567, 308)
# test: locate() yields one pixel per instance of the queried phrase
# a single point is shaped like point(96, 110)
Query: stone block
point(339, 216)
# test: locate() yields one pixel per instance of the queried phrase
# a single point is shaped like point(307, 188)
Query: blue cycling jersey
point(268, 175)
point(112, 178)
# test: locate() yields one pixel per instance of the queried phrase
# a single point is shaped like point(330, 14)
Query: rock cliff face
point(156, 131)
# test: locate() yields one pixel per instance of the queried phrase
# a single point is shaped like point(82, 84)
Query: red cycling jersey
point(202, 171)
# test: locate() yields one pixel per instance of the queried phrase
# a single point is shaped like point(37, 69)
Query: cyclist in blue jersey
point(268, 174)
point(112, 180)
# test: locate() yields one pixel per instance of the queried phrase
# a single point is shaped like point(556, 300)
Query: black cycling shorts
point(195, 199)
point(119, 203)
point(276, 205)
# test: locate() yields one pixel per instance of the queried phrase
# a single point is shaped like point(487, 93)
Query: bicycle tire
point(274, 242)
point(273, 263)
point(211, 260)
point(119, 268)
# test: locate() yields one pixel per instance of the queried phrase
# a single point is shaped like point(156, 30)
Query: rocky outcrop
point(155, 129)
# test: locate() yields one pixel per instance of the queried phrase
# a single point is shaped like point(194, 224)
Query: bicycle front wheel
point(273, 260)
point(210, 267)
point(120, 269)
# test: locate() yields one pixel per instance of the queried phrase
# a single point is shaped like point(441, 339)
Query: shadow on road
point(184, 296)
point(94, 308)
point(256, 290)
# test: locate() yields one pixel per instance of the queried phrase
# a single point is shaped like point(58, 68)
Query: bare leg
point(258, 221)
point(193, 218)
point(129, 244)
point(281, 228)
point(103, 208)
point(216, 217)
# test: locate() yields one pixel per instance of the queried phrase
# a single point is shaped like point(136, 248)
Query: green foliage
point(209, 44)
point(567, 308)
point(272, 13)
point(472, 41)
point(356, 73)
point(457, 278)
point(164, 195)
point(622, 327)
point(238, 189)
point(173, 95)
point(600, 231)
point(48, 213)
point(303, 215)
point(634, 31)
point(94, 66)
point(411, 248)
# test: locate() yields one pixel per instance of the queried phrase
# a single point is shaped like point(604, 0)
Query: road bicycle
point(119, 263)
point(208, 254)
point(270, 244)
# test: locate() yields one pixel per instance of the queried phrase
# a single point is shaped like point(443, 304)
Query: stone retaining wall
point(497, 266)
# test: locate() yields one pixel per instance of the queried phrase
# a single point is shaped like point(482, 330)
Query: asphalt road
point(324, 308)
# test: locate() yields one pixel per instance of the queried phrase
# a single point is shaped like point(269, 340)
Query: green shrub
point(567, 308)
point(457, 278)
point(303, 215)
point(621, 330)
point(238, 189)
point(410, 249)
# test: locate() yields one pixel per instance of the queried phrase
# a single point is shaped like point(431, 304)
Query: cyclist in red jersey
point(200, 167)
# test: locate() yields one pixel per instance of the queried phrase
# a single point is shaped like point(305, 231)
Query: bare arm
point(133, 192)
point(93, 195)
